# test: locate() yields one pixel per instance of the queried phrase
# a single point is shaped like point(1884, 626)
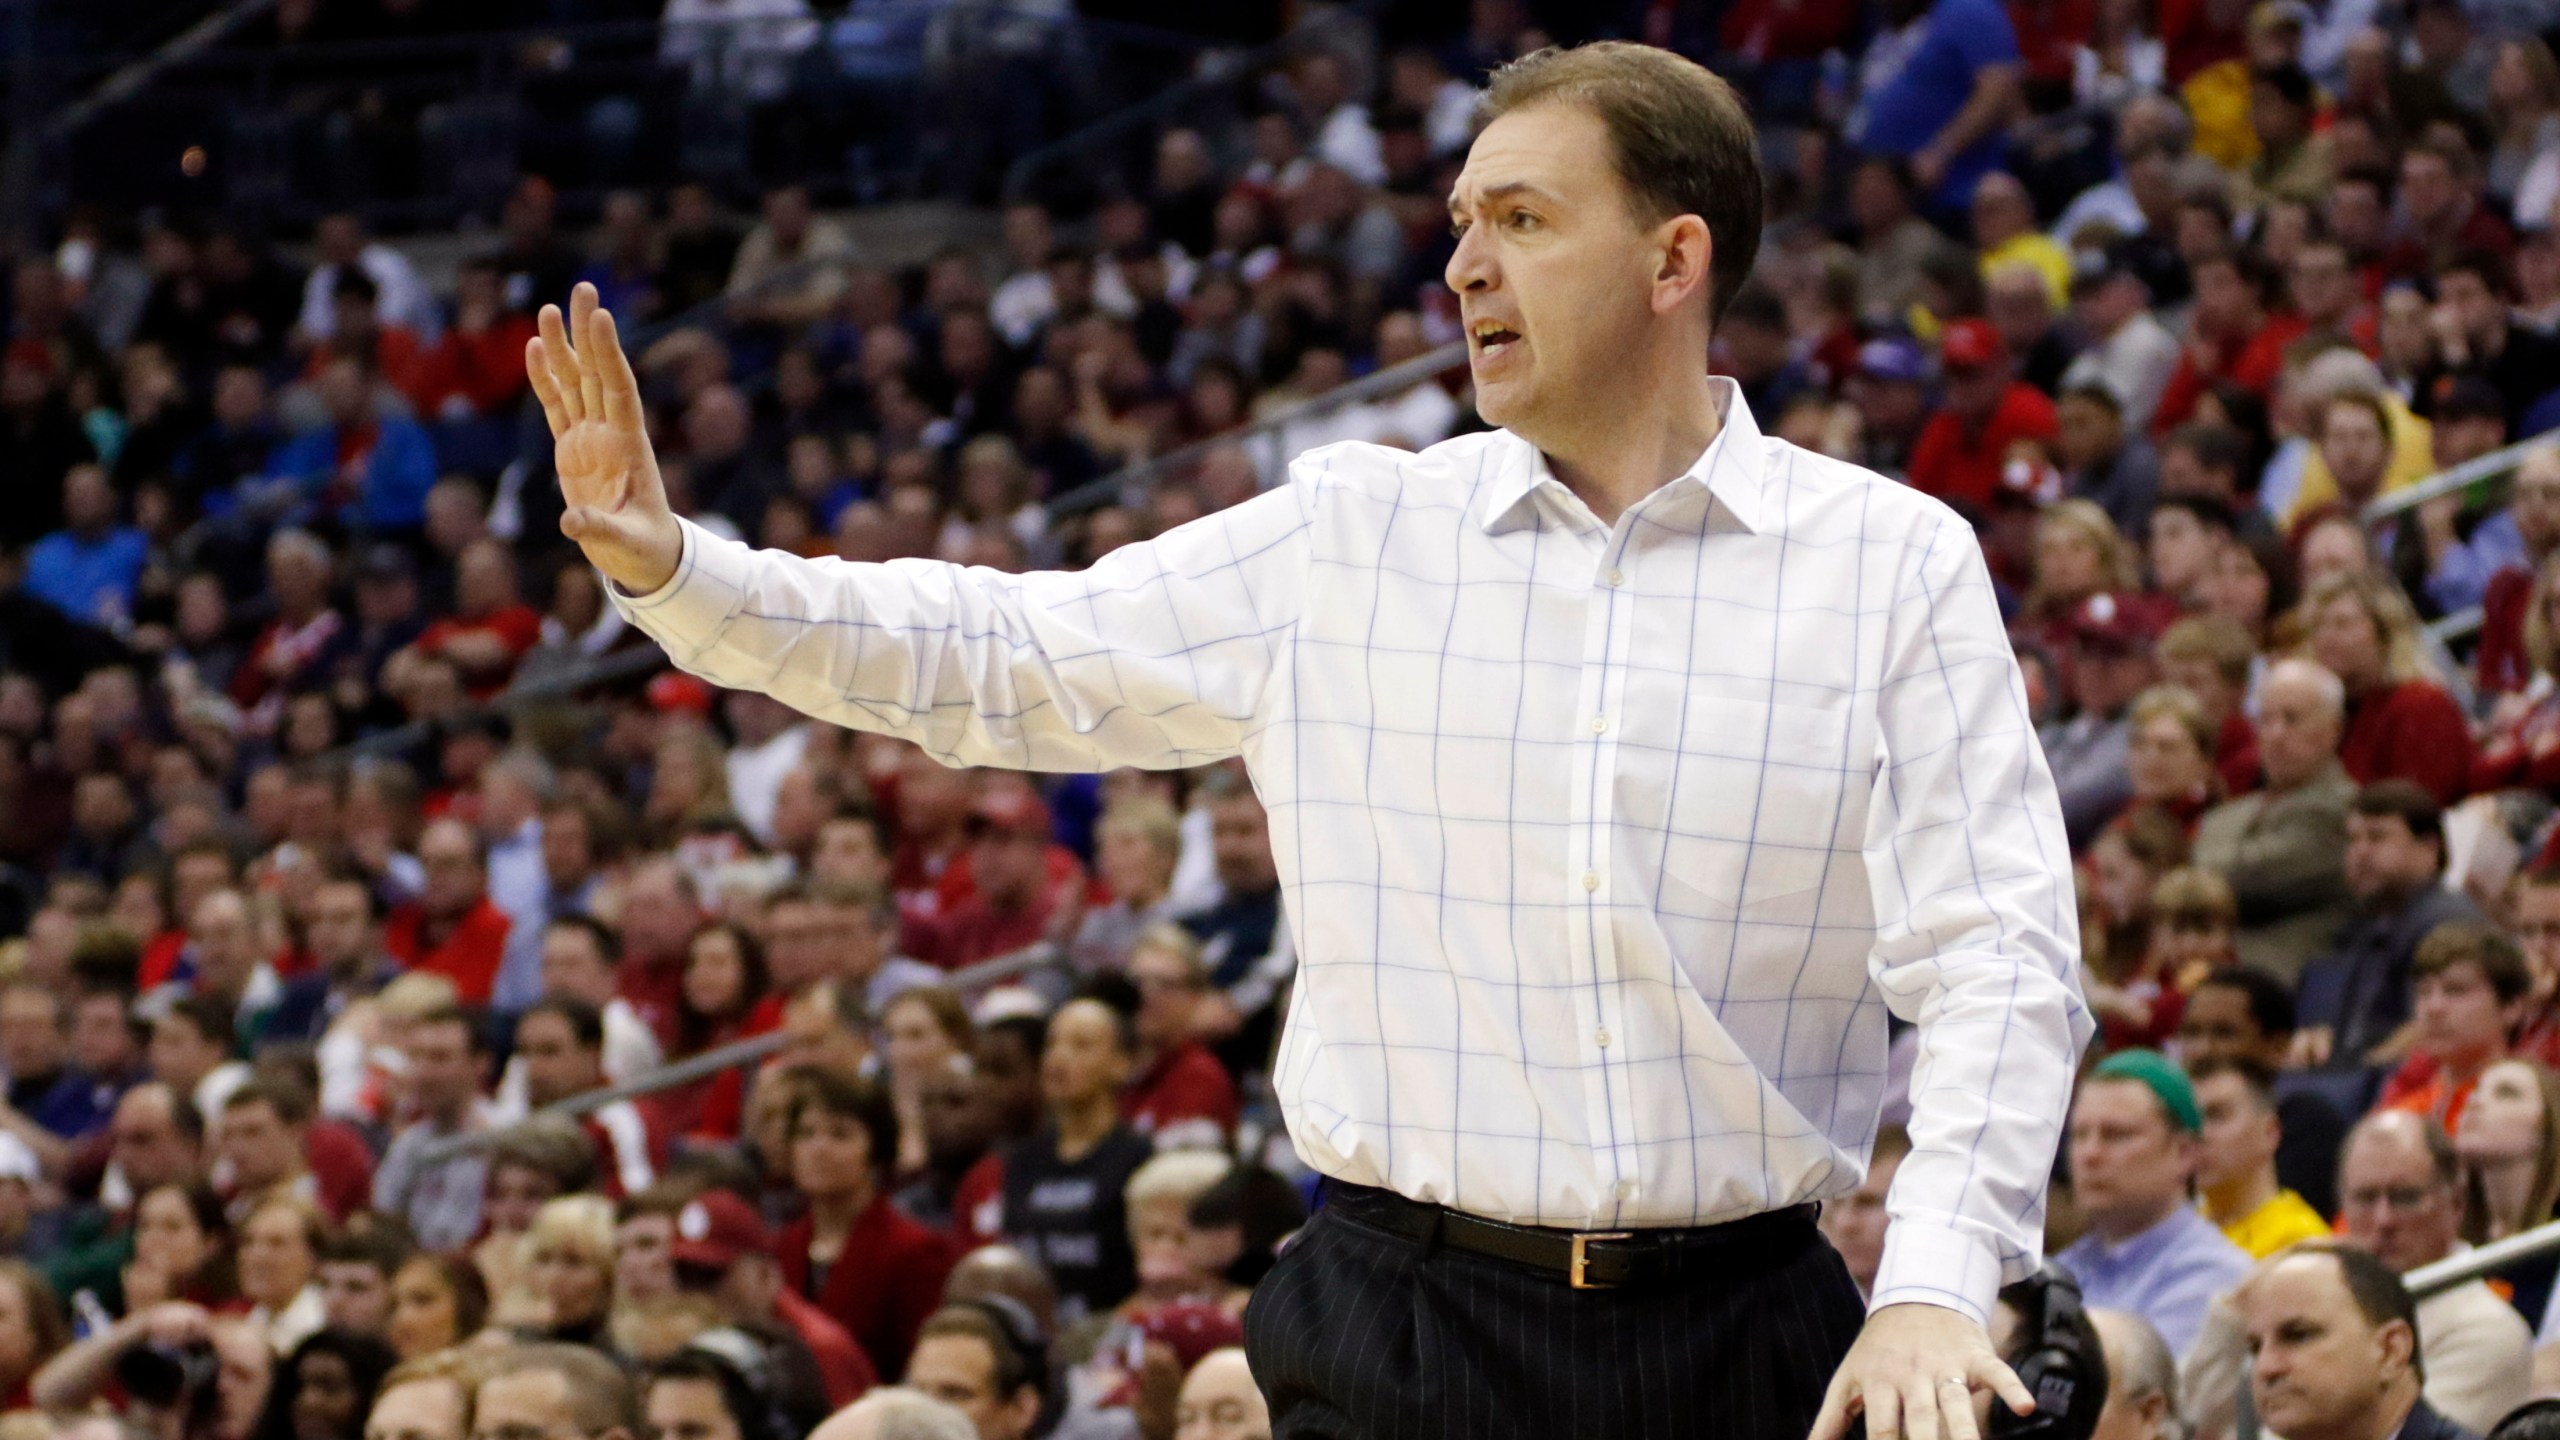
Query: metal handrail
point(130, 79)
point(1131, 483)
point(733, 1056)
point(2483, 1260)
point(617, 665)
point(2456, 480)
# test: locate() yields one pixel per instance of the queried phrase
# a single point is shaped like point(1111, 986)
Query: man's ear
point(1686, 264)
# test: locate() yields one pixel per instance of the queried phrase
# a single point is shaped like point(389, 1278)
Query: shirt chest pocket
point(1762, 795)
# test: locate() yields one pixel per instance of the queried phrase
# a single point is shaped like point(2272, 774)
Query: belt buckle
point(1581, 1263)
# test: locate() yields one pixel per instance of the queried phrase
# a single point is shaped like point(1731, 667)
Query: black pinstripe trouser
point(1359, 1334)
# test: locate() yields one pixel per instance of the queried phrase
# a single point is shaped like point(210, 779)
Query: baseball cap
point(675, 691)
point(718, 1229)
point(2469, 397)
point(2112, 622)
point(1969, 343)
point(1894, 358)
point(1012, 810)
point(1192, 1330)
point(2168, 1081)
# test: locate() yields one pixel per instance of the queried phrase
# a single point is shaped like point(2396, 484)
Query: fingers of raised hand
point(537, 368)
point(562, 362)
point(582, 315)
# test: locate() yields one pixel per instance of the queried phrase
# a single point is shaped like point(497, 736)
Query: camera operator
point(186, 1375)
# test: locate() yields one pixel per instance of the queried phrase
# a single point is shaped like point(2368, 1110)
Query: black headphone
point(1021, 1330)
point(2069, 1384)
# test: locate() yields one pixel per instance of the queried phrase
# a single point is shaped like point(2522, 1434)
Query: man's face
point(2297, 731)
point(2217, 1025)
point(2458, 1017)
point(356, 1296)
point(2427, 190)
point(1220, 1401)
point(31, 1039)
point(2105, 677)
point(687, 1409)
point(2323, 283)
point(2391, 1200)
point(181, 1055)
point(2316, 1369)
point(1169, 993)
point(452, 862)
point(1083, 1056)
point(145, 1142)
point(524, 1405)
point(2239, 1134)
point(644, 1266)
point(2384, 859)
point(2537, 501)
point(574, 966)
point(2537, 932)
point(1856, 1222)
point(338, 925)
point(1008, 866)
point(1240, 840)
point(2129, 1165)
point(556, 1066)
point(849, 853)
point(417, 1410)
point(225, 943)
point(1549, 250)
point(444, 1069)
point(101, 1039)
point(2086, 432)
point(960, 1371)
point(960, 1120)
point(2358, 452)
point(261, 1147)
point(1974, 391)
point(799, 945)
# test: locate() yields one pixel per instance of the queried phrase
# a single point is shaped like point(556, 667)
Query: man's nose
point(1471, 266)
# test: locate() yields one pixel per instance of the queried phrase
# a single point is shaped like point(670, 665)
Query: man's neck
point(2461, 1067)
point(2118, 1228)
point(1648, 437)
point(2238, 1198)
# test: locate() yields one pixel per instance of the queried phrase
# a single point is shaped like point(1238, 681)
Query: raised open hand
point(617, 504)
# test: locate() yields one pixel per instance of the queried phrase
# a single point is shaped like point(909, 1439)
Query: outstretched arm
point(1161, 654)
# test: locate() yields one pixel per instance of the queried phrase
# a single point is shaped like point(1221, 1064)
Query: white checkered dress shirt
point(1606, 848)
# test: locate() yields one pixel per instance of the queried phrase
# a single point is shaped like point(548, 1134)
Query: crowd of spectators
point(309, 939)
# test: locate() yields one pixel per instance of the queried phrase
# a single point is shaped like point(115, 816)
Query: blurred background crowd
point(420, 1000)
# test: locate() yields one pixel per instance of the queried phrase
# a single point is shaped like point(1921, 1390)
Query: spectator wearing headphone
point(696, 1395)
point(2142, 1380)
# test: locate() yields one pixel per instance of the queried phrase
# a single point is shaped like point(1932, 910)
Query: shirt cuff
point(1930, 1263)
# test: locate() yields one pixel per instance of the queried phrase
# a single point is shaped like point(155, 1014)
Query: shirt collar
point(2151, 1244)
point(1731, 469)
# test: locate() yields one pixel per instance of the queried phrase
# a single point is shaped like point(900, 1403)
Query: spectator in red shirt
point(1008, 860)
point(1182, 1095)
point(490, 629)
point(871, 1269)
point(660, 912)
point(298, 645)
point(2400, 725)
point(451, 929)
point(724, 1250)
point(2502, 664)
point(478, 368)
point(1964, 448)
point(2235, 334)
point(2468, 989)
point(393, 351)
point(264, 1139)
point(2441, 211)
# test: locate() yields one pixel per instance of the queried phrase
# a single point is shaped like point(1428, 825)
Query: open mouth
point(1492, 338)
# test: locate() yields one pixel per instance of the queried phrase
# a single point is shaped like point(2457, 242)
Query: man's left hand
point(1912, 1373)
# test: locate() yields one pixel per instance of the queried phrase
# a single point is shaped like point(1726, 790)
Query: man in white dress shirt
point(1624, 768)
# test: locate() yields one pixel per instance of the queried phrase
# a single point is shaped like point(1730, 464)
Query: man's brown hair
point(2458, 943)
point(1681, 139)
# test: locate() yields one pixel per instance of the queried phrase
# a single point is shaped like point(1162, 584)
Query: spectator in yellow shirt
point(2236, 1165)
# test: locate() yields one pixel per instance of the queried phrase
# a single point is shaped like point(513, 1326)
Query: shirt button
point(1599, 724)
point(1603, 1037)
point(1617, 576)
point(1627, 1189)
point(1590, 879)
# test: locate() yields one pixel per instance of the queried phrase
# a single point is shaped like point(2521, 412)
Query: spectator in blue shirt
point(2135, 1128)
point(88, 569)
point(1948, 102)
point(364, 469)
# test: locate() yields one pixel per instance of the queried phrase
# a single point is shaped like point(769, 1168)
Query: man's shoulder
point(1361, 466)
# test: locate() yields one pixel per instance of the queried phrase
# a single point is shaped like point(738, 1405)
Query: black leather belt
point(1585, 1259)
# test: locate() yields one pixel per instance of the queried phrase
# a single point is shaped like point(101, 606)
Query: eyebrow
point(1502, 191)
